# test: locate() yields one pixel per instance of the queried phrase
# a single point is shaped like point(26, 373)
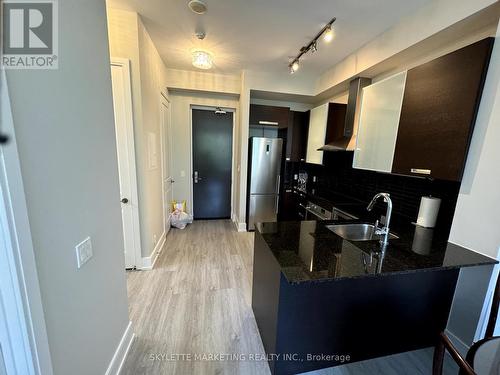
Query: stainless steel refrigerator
point(264, 182)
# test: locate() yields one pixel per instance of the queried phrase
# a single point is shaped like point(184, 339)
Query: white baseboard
point(121, 352)
point(462, 347)
point(148, 263)
point(240, 227)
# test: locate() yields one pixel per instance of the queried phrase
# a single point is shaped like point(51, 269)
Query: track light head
point(328, 34)
point(294, 66)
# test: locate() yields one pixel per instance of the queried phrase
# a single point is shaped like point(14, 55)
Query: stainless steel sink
point(357, 232)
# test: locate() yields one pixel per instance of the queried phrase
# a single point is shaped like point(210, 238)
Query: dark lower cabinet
point(311, 325)
point(289, 207)
point(440, 104)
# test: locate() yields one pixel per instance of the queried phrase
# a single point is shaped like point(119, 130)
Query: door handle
point(124, 200)
point(196, 178)
point(420, 171)
point(272, 123)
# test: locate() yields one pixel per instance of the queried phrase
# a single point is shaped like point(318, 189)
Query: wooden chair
point(490, 343)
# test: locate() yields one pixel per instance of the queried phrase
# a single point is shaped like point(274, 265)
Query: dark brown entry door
point(212, 164)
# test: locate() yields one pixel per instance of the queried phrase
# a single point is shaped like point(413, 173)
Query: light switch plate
point(83, 252)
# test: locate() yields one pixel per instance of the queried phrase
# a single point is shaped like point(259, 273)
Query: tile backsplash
point(337, 176)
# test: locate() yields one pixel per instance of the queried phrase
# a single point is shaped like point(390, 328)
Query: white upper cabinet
point(317, 133)
point(378, 124)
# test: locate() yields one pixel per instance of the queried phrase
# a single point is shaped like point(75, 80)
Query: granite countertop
point(309, 251)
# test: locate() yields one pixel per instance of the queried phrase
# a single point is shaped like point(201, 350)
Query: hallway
point(195, 301)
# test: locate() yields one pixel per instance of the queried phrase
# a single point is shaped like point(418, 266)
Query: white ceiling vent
point(197, 6)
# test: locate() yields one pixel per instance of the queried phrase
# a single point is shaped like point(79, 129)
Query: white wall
point(153, 74)
point(66, 141)
point(129, 39)
point(203, 81)
point(284, 82)
point(181, 103)
point(123, 31)
point(294, 106)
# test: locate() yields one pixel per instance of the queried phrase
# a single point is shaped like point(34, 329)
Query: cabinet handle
point(268, 123)
point(420, 171)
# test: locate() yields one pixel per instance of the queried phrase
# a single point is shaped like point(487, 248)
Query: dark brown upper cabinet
point(440, 103)
point(296, 140)
point(266, 115)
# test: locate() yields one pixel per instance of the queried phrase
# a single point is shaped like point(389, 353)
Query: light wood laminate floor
point(196, 301)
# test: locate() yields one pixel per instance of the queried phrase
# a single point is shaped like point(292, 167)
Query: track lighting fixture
point(312, 46)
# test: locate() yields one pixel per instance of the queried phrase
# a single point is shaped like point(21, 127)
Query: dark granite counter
point(309, 251)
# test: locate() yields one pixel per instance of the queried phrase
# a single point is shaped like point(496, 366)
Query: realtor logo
point(29, 30)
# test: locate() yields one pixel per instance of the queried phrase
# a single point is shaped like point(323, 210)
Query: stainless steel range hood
point(351, 117)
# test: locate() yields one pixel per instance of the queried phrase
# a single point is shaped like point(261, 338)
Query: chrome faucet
point(382, 231)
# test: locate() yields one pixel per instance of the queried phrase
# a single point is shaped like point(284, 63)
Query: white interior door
point(122, 101)
point(167, 179)
point(24, 346)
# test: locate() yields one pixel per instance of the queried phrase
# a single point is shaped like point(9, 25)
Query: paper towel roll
point(428, 212)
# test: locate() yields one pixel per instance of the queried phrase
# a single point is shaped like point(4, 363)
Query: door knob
point(124, 200)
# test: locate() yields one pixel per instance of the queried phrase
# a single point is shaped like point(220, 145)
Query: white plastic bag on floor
point(180, 219)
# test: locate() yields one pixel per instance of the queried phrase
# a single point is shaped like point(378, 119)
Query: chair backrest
point(492, 321)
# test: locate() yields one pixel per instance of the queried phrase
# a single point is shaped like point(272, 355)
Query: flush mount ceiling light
point(312, 46)
point(202, 60)
point(197, 6)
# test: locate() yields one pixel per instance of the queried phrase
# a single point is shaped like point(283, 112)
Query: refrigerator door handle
point(278, 181)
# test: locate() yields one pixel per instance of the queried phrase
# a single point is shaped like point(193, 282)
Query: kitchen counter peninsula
point(319, 299)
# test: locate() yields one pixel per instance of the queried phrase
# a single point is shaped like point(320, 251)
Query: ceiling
point(262, 35)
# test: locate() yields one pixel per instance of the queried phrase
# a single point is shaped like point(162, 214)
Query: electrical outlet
point(154, 240)
point(83, 252)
